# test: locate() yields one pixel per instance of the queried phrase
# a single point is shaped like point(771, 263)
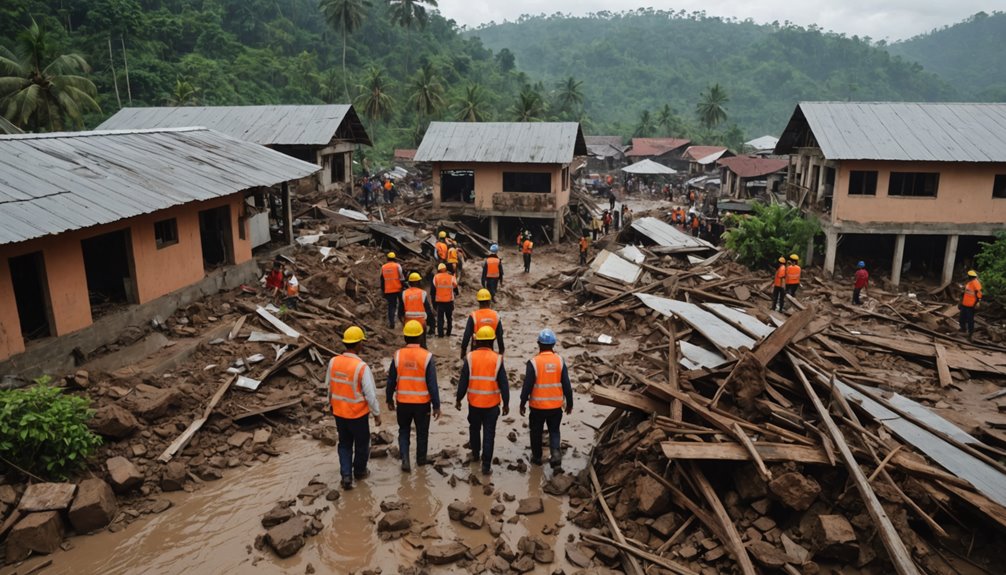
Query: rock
point(138, 449)
point(333, 495)
point(523, 565)
point(94, 506)
point(123, 474)
point(748, 483)
point(795, 550)
point(278, 514)
point(173, 477)
point(313, 491)
point(445, 553)
point(474, 520)
point(287, 538)
point(82, 378)
point(530, 506)
point(512, 436)
point(795, 490)
point(496, 528)
point(768, 555)
point(688, 551)
point(653, 497)
point(262, 435)
point(833, 538)
point(503, 550)
point(497, 509)
point(394, 521)
point(207, 473)
point(666, 524)
point(151, 403)
point(544, 555)
point(764, 524)
point(36, 533)
point(47, 497)
point(8, 496)
point(559, 484)
point(113, 421)
point(239, 438)
point(160, 506)
point(458, 510)
point(577, 557)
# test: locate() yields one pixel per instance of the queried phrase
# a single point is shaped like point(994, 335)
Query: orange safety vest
point(584, 244)
point(292, 289)
point(695, 222)
point(972, 293)
point(792, 274)
point(482, 317)
point(392, 274)
point(414, 304)
point(547, 390)
point(780, 276)
point(483, 388)
point(444, 284)
point(492, 267)
point(452, 255)
point(345, 383)
point(527, 247)
point(441, 251)
point(410, 364)
point(520, 237)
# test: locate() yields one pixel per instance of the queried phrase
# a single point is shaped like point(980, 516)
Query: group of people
point(378, 191)
point(786, 281)
point(281, 283)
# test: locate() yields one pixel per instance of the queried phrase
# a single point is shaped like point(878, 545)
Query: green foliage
point(991, 263)
point(771, 231)
point(711, 108)
point(45, 432)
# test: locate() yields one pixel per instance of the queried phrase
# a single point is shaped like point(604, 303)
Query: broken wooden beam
point(769, 347)
point(688, 450)
point(626, 400)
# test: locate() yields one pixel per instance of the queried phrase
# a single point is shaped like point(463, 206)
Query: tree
point(645, 126)
point(405, 13)
point(771, 231)
point(529, 106)
point(710, 109)
point(471, 108)
point(570, 95)
point(345, 16)
point(183, 94)
point(427, 95)
point(991, 261)
point(669, 122)
point(39, 92)
point(375, 100)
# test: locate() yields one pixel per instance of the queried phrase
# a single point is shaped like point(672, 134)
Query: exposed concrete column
point(494, 229)
point(830, 250)
point(557, 228)
point(899, 256)
point(808, 258)
point(949, 259)
point(287, 213)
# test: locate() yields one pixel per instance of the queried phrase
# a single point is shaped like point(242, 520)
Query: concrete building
point(98, 223)
point(507, 172)
point(702, 159)
point(745, 176)
point(325, 135)
point(920, 177)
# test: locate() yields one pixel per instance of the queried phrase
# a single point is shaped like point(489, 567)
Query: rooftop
point(753, 166)
point(704, 154)
point(502, 142)
point(655, 146)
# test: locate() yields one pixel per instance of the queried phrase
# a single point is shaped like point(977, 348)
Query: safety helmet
point(483, 295)
point(442, 235)
point(972, 274)
point(546, 336)
point(391, 255)
point(353, 334)
point(782, 260)
point(494, 248)
point(441, 267)
point(861, 264)
point(412, 329)
point(794, 257)
point(485, 333)
point(414, 277)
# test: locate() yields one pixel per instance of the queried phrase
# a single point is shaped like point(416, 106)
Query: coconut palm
point(471, 108)
point(645, 127)
point(38, 92)
point(570, 94)
point(711, 108)
point(529, 106)
point(183, 94)
point(375, 99)
point(427, 95)
point(669, 122)
point(405, 13)
point(346, 17)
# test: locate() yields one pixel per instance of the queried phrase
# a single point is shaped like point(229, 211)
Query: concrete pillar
point(557, 228)
point(494, 229)
point(899, 256)
point(287, 213)
point(830, 250)
point(949, 258)
point(808, 258)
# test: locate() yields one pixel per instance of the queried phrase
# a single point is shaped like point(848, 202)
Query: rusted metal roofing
point(505, 142)
point(655, 146)
point(266, 125)
point(753, 166)
point(704, 154)
point(405, 154)
point(53, 183)
point(899, 131)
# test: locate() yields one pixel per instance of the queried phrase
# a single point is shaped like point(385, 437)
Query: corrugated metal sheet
point(502, 142)
point(655, 146)
point(753, 166)
point(900, 131)
point(265, 125)
point(7, 128)
point(762, 143)
point(648, 167)
point(52, 183)
point(613, 266)
point(666, 235)
point(718, 332)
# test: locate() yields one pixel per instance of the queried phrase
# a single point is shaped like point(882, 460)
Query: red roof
point(655, 146)
point(753, 166)
point(699, 152)
point(405, 154)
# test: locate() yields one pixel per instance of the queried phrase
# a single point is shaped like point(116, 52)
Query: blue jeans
point(483, 419)
point(354, 445)
point(420, 414)
point(393, 300)
point(537, 421)
point(967, 319)
point(492, 284)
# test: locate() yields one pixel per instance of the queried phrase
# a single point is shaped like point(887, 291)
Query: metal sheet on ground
point(667, 235)
point(696, 357)
point(632, 254)
point(612, 266)
point(720, 333)
point(747, 323)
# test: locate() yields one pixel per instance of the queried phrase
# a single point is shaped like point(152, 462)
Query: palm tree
point(669, 122)
point(471, 108)
point(529, 106)
point(570, 94)
point(710, 109)
point(375, 99)
point(183, 94)
point(37, 96)
point(645, 126)
point(345, 16)
point(427, 94)
point(405, 13)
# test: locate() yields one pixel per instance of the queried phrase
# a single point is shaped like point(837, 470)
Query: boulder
point(278, 514)
point(768, 555)
point(530, 506)
point(287, 538)
point(445, 553)
point(40, 532)
point(795, 490)
point(559, 484)
point(653, 497)
point(47, 497)
point(458, 510)
point(394, 521)
point(123, 474)
point(151, 403)
point(114, 422)
point(94, 506)
point(174, 475)
point(474, 520)
point(832, 537)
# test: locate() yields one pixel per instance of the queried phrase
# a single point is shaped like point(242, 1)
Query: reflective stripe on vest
point(414, 304)
point(547, 390)
point(410, 364)
point(792, 274)
point(483, 387)
point(482, 317)
point(780, 276)
point(392, 274)
point(345, 383)
point(443, 284)
point(492, 267)
point(972, 293)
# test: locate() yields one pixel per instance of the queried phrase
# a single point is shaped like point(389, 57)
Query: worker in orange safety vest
point(779, 286)
point(352, 396)
point(441, 247)
point(416, 305)
point(483, 380)
point(969, 303)
point(443, 288)
point(492, 271)
point(392, 279)
point(483, 316)
point(526, 249)
point(546, 387)
point(412, 383)
point(793, 275)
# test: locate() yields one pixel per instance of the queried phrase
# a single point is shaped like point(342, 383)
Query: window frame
point(546, 177)
point(865, 176)
point(999, 187)
point(172, 227)
point(914, 184)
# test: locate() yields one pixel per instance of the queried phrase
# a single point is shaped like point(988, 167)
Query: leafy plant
point(772, 231)
point(991, 262)
point(44, 432)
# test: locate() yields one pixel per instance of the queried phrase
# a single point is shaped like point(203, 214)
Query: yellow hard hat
point(442, 235)
point(412, 329)
point(391, 255)
point(782, 260)
point(483, 295)
point(441, 267)
point(485, 333)
point(972, 274)
point(794, 257)
point(414, 277)
point(353, 334)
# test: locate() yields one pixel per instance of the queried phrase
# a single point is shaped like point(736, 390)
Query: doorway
point(31, 295)
point(108, 265)
point(215, 235)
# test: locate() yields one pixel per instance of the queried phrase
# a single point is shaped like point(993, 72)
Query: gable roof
point(265, 125)
point(406, 154)
point(753, 166)
point(655, 146)
point(53, 183)
point(901, 131)
point(762, 143)
point(505, 142)
point(704, 154)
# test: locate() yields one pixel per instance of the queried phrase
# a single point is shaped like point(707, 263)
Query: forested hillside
point(969, 55)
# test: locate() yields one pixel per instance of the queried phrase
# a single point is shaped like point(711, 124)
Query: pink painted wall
point(489, 180)
point(11, 341)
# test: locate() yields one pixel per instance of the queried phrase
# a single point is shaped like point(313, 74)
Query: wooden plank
point(626, 400)
point(268, 409)
point(237, 327)
point(723, 335)
point(753, 452)
point(674, 450)
point(276, 323)
point(835, 347)
point(672, 369)
point(942, 369)
point(733, 538)
point(642, 554)
point(631, 561)
point(780, 338)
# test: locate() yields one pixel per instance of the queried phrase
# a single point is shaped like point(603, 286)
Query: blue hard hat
point(546, 336)
point(861, 264)
point(494, 248)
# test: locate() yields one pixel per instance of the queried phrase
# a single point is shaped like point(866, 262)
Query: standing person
point(526, 249)
point(444, 287)
point(584, 246)
point(546, 385)
point(352, 396)
point(416, 306)
point(793, 275)
point(274, 280)
point(616, 218)
point(521, 234)
point(483, 379)
point(483, 316)
point(860, 280)
point(595, 226)
point(453, 258)
point(696, 223)
point(611, 200)
point(779, 286)
point(442, 247)
point(412, 381)
point(606, 221)
point(492, 271)
point(392, 278)
point(292, 288)
point(626, 216)
point(969, 303)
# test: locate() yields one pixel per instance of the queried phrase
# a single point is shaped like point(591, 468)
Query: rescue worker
point(492, 271)
point(696, 222)
point(412, 385)
point(546, 386)
point(484, 316)
point(444, 287)
point(793, 275)
point(483, 379)
point(352, 396)
point(860, 279)
point(392, 278)
point(595, 226)
point(969, 303)
point(292, 288)
point(779, 286)
point(416, 306)
point(442, 247)
point(526, 249)
point(453, 258)
point(274, 280)
point(521, 235)
point(584, 246)
point(606, 221)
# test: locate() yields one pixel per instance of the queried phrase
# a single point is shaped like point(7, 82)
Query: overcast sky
point(879, 19)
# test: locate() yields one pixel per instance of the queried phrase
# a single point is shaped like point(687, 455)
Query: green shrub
point(44, 432)
point(771, 231)
point(991, 264)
